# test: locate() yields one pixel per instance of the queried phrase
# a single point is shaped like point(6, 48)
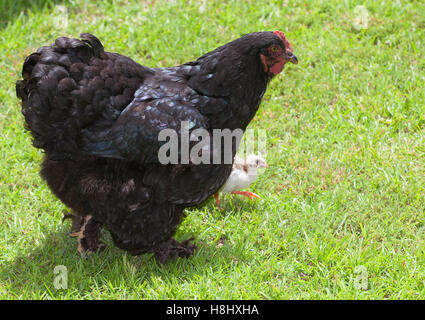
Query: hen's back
point(71, 85)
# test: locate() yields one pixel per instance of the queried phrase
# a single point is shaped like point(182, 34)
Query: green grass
point(342, 214)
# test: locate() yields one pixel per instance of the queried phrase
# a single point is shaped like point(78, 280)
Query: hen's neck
point(238, 80)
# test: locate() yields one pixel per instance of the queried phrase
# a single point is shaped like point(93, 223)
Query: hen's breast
point(187, 186)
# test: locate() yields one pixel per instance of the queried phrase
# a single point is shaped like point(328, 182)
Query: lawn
point(342, 208)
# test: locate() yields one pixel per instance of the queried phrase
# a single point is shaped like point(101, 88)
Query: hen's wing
point(162, 102)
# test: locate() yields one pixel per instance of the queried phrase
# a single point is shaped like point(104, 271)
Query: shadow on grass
point(31, 275)
point(11, 9)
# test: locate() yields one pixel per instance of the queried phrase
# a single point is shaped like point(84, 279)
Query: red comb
point(281, 35)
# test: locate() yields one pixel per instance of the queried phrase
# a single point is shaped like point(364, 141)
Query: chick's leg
point(250, 195)
point(217, 198)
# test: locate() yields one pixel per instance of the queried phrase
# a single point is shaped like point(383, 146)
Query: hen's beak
point(291, 58)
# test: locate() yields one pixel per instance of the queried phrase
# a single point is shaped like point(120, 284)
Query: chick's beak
point(291, 58)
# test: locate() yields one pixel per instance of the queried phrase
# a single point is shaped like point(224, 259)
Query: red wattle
point(277, 67)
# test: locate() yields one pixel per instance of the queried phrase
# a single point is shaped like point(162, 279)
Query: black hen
point(97, 116)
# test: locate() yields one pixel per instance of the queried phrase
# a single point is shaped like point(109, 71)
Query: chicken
point(244, 173)
point(98, 117)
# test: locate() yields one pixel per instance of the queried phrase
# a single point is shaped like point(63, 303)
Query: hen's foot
point(173, 249)
point(248, 194)
point(87, 232)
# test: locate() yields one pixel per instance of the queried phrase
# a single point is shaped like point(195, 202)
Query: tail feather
point(46, 87)
point(73, 85)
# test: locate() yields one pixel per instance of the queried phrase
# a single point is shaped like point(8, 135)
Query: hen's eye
point(274, 49)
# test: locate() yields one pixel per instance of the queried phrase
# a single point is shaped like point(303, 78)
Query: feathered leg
point(87, 232)
point(173, 249)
